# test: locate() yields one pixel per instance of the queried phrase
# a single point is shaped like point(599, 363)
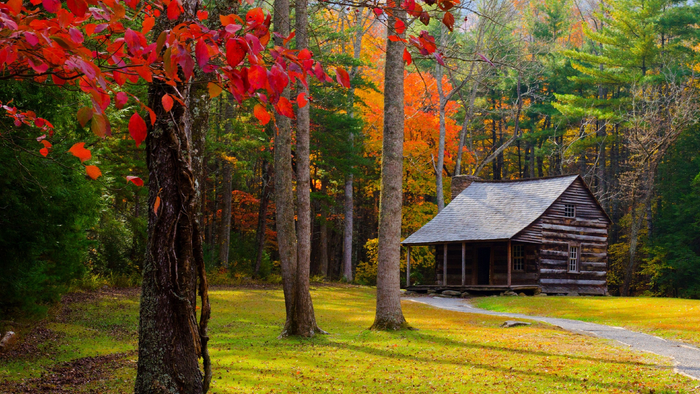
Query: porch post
point(464, 267)
point(509, 261)
point(444, 265)
point(408, 266)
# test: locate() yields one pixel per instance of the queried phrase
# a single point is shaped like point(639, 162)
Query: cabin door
point(483, 258)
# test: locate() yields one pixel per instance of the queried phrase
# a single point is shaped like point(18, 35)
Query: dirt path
point(687, 357)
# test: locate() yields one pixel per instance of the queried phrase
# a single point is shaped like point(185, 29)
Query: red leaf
point(147, 24)
point(151, 115)
point(257, 76)
point(76, 36)
point(378, 11)
point(137, 128)
point(78, 150)
point(77, 7)
point(449, 20)
point(261, 114)
point(255, 15)
point(395, 38)
point(439, 59)
point(229, 19)
point(301, 100)
point(304, 54)
point(135, 180)
point(167, 103)
point(16, 6)
point(202, 53)
point(84, 115)
point(342, 77)
point(52, 5)
point(120, 100)
point(45, 150)
point(174, 9)
point(202, 15)
point(284, 107)
point(235, 51)
point(407, 57)
point(399, 27)
point(93, 172)
point(425, 18)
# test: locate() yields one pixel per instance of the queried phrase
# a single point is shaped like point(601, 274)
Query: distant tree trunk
point(323, 266)
point(347, 229)
point(170, 338)
point(441, 143)
point(389, 315)
point(348, 205)
point(225, 224)
point(262, 216)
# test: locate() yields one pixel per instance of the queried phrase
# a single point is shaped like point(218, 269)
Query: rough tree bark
point(171, 340)
point(388, 314)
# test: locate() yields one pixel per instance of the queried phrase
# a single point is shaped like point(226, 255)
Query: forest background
point(515, 90)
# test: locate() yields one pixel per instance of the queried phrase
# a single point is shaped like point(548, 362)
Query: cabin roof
point(492, 210)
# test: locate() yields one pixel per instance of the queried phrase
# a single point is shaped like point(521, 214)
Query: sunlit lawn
point(670, 318)
point(451, 352)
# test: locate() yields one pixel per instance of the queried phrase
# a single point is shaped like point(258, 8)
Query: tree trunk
point(170, 338)
point(262, 217)
point(323, 266)
point(441, 113)
point(347, 230)
point(389, 315)
point(284, 195)
point(303, 320)
point(226, 200)
point(300, 317)
point(348, 205)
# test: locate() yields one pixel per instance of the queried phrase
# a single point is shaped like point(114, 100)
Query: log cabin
point(547, 235)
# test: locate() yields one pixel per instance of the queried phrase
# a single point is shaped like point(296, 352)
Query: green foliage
point(422, 264)
point(46, 209)
point(676, 236)
point(46, 206)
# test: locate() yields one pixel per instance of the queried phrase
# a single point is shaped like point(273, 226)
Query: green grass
point(451, 352)
point(671, 318)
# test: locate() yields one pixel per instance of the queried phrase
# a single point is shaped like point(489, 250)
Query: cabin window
point(574, 253)
point(518, 258)
point(569, 210)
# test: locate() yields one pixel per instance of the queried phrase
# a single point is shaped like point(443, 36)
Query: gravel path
point(687, 357)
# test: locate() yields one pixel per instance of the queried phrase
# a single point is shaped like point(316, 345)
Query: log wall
point(589, 231)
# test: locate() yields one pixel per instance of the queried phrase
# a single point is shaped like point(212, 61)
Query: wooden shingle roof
point(488, 210)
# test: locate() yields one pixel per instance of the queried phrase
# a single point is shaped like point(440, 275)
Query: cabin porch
point(481, 266)
point(476, 289)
